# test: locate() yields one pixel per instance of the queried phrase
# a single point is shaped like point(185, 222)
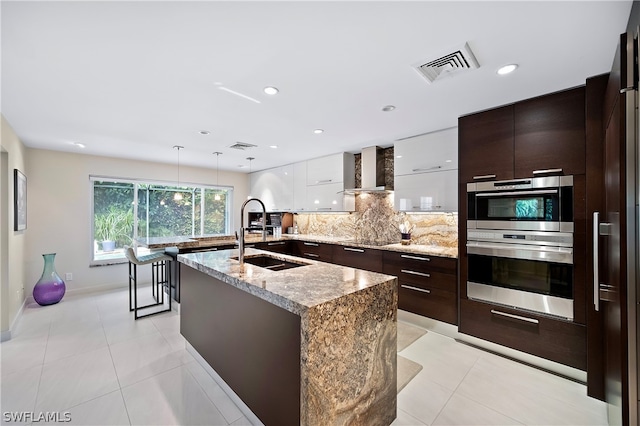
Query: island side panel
point(253, 345)
point(349, 359)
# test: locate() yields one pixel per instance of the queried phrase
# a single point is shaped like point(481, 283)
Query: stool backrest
point(130, 254)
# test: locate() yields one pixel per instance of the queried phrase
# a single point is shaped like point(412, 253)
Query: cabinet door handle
point(484, 177)
point(353, 249)
point(546, 171)
point(421, 274)
point(406, 256)
point(310, 244)
point(311, 255)
point(426, 169)
point(278, 243)
point(410, 287)
point(518, 317)
point(324, 181)
point(324, 208)
point(596, 271)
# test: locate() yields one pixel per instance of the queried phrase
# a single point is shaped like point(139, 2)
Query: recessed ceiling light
point(273, 146)
point(388, 108)
point(318, 131)
point(204, 132)
point(270, 90)
point(507, 69)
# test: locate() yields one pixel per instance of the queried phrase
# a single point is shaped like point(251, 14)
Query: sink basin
point(272, 263)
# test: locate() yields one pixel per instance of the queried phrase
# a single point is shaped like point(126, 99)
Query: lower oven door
point(534, 278)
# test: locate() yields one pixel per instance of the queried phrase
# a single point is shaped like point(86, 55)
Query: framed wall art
point(19, 200)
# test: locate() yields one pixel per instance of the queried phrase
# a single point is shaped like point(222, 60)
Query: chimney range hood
point(372, 171)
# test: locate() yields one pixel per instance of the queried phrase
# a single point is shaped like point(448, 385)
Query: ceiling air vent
point(242, 146)
point(458, 61)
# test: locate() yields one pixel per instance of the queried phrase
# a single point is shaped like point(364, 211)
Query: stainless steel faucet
point(241, 237)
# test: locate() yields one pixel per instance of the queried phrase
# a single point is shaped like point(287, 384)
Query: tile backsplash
point(376, 220)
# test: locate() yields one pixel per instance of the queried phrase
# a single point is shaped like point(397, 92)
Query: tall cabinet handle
point(596, 279)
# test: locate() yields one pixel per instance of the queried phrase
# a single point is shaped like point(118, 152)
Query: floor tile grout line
point(35, 403)
point(207, 395)
point(478, 402)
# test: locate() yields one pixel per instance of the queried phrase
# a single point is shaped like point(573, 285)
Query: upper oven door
point(523, 206)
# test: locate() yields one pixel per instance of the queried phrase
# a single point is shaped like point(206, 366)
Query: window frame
point(201, 187)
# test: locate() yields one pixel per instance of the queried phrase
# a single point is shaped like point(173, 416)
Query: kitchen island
point(310, 345)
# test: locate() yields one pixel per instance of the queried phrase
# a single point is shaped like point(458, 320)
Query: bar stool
point(159, 279)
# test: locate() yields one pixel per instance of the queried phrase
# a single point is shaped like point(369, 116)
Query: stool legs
point(159, 278)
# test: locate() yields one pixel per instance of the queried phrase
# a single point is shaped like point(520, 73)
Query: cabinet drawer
point(276, 246)
point(357, 257)
point(431, 279)
point(420, 262)
point(556, 340)
point(312, 250)
point(430, 302)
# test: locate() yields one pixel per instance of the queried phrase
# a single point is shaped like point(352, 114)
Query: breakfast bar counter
point(314, 344)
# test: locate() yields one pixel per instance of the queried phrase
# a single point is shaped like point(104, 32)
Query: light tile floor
point(87, 356)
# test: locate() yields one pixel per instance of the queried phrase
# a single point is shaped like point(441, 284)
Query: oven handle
point(522, 251)
point(538, 192)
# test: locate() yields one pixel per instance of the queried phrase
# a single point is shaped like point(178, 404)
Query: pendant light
point(178, 195)
point(250, 160)
point(217, 196)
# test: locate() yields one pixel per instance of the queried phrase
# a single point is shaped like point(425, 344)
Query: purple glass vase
point(50, 288)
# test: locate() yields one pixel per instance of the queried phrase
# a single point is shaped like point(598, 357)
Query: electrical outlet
point(68, 276)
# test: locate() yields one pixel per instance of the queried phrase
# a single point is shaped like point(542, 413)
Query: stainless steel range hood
point(372, 171)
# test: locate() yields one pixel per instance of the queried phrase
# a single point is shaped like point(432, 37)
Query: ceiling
point(133, 79)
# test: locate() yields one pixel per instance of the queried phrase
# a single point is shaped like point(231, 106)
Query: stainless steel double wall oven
point(520, 244)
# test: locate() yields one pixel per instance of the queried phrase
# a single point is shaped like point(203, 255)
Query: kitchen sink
point(271, 263)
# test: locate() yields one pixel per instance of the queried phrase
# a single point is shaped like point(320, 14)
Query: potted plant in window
point(113, 226)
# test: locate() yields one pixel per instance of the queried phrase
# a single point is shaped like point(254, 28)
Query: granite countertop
point(221, 240)
point(295, 290)
point(412, 248)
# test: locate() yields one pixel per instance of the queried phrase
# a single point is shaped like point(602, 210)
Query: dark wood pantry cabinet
point(542, 136)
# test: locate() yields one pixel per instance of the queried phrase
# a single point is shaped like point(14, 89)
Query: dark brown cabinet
point(358, 257)
point(426, 284)
point(485, 145)
point(549, 133)
point(312, 250)
point(535, 137)
point(284, 247)
point(559, 341)
point(524, 139)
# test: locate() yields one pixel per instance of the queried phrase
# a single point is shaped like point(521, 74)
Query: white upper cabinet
point(274, 187)
point(336, 168)
point(313, 185)
point(426, 172)
point(427, 192)
point(329, 197)
point(300, 186)
point(432, 152)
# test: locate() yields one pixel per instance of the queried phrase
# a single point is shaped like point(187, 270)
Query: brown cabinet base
point(258, 357)
point(429, 302)
point(560, 341)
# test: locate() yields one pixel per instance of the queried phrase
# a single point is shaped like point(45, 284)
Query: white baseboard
point(6, 335)
point(452, 332)
point(224, 386)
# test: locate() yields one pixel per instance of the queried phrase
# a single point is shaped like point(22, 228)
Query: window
point(124, 210)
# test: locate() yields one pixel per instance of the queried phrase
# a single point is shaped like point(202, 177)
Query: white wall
point(59, 207)
point(13, 243)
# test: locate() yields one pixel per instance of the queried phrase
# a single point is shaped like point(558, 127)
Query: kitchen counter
point(342, 339)
point(411, 248)
point(187, 243)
